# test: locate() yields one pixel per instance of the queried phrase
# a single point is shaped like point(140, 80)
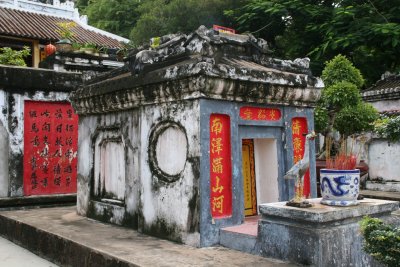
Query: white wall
point(266, 169)
point(384, 160)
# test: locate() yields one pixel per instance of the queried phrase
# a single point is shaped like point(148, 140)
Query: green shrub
point(382, 241)
point(9, 56)
point(388, 127)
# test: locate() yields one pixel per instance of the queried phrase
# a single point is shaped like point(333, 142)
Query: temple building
point(193, 135)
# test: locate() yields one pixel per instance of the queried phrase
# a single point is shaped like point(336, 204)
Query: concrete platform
point(381, 195)
point(322, 235)
point(61, 236)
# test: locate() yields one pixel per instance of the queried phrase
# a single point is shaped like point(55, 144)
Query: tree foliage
point(340, 107)
point(388, 127)
point(9, 56)
point(160, 17)
point(116, 16)
point(382, 241)
point(367, 31)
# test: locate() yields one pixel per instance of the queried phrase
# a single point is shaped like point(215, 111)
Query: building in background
point(33, 24)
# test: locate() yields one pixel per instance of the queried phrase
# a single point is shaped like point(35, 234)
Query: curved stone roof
point(18, 23)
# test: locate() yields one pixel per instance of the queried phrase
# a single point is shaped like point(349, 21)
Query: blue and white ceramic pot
point(339, 187)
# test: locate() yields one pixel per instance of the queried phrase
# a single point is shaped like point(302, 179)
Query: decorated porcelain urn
point(339, 187)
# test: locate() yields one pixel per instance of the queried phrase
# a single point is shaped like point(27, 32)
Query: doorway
point(260, 173)
point(249, 178)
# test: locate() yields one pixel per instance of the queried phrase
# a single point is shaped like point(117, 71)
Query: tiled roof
point(384, 89)
point(37, 26)
point(388, 82)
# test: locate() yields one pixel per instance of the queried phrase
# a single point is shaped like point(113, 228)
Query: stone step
point(241, 237)
point(238, 241)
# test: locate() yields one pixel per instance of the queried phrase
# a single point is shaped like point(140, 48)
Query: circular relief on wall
point(168, 148)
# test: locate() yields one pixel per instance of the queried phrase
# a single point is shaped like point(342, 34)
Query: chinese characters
point(299, 129)
point(50, 145)
point(260, 114)
point(220, 166)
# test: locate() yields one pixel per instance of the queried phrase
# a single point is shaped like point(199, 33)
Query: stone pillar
point(320, 235)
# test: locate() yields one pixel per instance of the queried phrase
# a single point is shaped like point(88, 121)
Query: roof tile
point(19, 23)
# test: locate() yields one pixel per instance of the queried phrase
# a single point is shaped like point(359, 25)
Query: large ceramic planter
point(339, 187)
point(64, 46)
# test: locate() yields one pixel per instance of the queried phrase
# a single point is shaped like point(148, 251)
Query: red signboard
point(299, 130)
point(50, 148)
point(223, 29)
point(260, 114)
point(220, 166)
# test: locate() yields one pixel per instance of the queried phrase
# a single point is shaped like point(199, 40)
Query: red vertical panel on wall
point(220, 166)
point(50, 148)
point(299, 129)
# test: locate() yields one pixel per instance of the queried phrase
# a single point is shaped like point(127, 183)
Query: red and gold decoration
point(50, 148)
point(260, 114)
point(299, 131)
point(249, 178)
point(223, 29)
point(220, 166)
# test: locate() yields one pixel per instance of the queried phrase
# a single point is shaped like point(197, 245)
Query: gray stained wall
point(18, 84)
point(144, 134)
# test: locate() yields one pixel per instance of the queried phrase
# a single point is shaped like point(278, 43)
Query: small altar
point(321, 235)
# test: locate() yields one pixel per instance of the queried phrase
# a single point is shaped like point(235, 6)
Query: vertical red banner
point(299, 130)
point(50, 148)
point(220, 166)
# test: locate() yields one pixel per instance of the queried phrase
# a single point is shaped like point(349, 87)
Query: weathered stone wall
point(161, 161)
point(18, 84)
point(384, 165)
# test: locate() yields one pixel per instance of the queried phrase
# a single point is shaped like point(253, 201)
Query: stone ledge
point(35, 201)
point(324, 214)
point(24, 78)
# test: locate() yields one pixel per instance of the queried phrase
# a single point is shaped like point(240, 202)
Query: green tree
point(368, 31)
point(341, 107)
point(116, 16)
point(160, 17)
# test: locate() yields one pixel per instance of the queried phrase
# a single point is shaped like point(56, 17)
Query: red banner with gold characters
point(260, 114)
point(299, 130)
point(50, 148)
point(220, 166)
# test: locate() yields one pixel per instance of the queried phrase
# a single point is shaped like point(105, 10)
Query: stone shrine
point(192, 135)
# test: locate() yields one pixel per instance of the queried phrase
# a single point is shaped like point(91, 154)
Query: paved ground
point(12, 255)
point(69, 239)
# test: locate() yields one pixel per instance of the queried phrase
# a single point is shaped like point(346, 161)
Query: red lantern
point(49, 49)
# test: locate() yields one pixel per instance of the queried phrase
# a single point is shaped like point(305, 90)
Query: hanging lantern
point(49, 49)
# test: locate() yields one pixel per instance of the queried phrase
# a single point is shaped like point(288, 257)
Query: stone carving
point(205, 64)
point(168, 151)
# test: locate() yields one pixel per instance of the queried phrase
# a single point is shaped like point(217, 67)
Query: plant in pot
point(340, 115)
point(66, 34)
point(89, 48)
